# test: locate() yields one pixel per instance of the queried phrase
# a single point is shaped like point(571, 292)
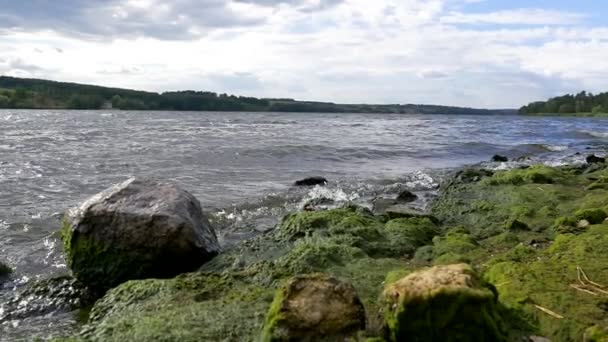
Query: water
point(240, 166)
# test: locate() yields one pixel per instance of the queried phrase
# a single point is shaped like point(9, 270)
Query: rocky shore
point(516, 255)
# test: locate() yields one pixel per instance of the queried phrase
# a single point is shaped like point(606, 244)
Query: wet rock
point(43, 297)
point(138, 229)
point(471, 175)
point(499, 159)
point(443, 303)
point(312, 181)
point(381, 204)
point(406, 197)
point(314, 308)
point(4, 271)
point(322, 203)
point(593, 159)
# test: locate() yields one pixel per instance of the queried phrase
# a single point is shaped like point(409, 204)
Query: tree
point(598, 110)
point(566, 109)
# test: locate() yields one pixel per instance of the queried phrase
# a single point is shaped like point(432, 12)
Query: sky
point(476, 53)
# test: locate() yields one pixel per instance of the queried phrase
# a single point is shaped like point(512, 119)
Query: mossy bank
point(536, 237)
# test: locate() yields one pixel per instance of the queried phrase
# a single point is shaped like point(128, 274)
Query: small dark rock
point(516, 225)
point(499, 158)
point(593, 159)
point(381, 204)
point(406, 197)
point(312, 181)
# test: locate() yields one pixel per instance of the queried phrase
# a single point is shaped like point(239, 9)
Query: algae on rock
point(314, 308)
point(443, 303)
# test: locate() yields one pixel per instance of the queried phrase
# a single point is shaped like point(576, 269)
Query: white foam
point(421, 180)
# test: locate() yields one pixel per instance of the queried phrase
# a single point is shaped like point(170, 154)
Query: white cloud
point(386, 51)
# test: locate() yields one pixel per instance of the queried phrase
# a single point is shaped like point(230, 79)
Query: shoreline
point(504, 233)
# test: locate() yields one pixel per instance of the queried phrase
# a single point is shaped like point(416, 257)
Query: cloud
point(385, 51)
point(161, 19)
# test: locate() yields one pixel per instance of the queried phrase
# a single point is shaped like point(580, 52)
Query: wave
point(595, 134)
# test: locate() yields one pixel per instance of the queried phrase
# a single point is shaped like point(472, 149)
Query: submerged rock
point(314, 308)
point(4, 271)
point(443, 303)
point(593, 159)
point(381, 204)
point(406, 197)
point(311, 181)
point(498, 158)
point(137, 229)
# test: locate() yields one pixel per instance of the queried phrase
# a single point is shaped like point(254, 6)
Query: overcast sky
point(481, 53)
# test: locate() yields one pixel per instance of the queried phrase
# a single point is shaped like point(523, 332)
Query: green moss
point(594, 216)
point(596, 334)
point(538, 174)
point(440, 312)
point(544, 277)
point(515, 225)
point(453, 242)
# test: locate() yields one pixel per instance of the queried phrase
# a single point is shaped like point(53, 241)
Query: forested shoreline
point(582, 103)
point(20, 93)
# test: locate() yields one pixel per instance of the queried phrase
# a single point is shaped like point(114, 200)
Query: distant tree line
point(582, 102)
point(24, 93)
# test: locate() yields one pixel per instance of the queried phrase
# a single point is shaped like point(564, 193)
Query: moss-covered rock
point(593, 216)
point(314, 308)
point(138, 229)
point(443, 303)
point(538, 174)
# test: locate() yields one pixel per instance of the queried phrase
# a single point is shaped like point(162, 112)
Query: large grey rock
point(138, 229)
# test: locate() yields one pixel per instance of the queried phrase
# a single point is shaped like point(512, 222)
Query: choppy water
point(241, 167)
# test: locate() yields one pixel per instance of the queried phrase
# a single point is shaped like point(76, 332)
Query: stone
point(443, 303)
point(499, 159)
point(138, 229)
point(5, 271)
point(593, 159)
point(314, 308)
point(380, 204)
point(311, 181)
point(406, 197)
point(583, 224)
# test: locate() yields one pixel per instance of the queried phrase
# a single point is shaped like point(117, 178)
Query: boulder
point(406, 197)
point(138, 229)
point(443, 303)
point(316, 204)
point(593, 159)
point(312, 181)
point(499, 159)
point(314, 308)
